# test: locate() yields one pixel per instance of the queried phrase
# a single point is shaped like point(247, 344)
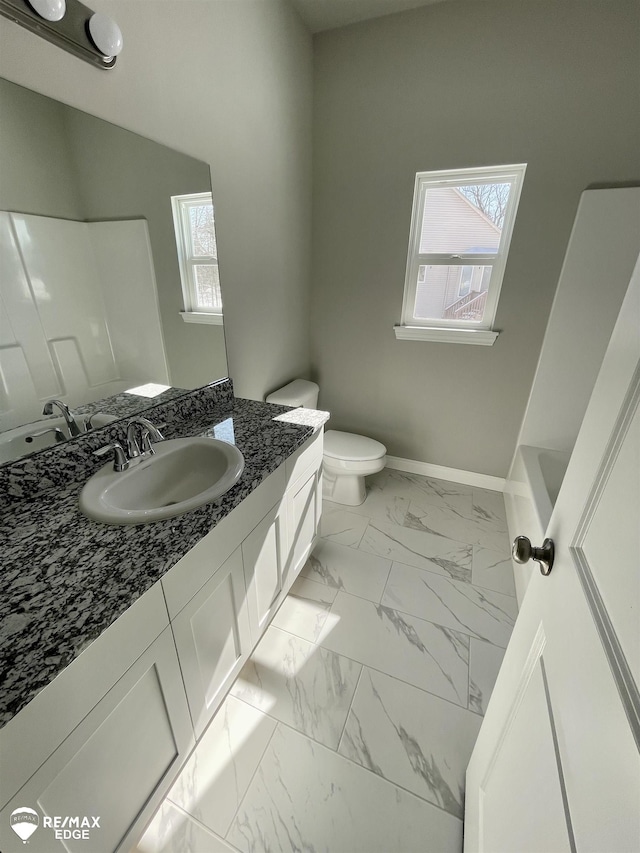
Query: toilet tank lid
point(300, 392)
point(350, 447)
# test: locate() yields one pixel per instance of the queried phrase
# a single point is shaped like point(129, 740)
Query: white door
point(556, 765)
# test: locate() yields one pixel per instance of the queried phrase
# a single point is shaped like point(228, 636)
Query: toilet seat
point(347, 447)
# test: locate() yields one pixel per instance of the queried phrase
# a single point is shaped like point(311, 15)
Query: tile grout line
point(253, 775)
point(470, 582)
point(346, 719)
point(383, 779)
point(195, 820)
point(374, 669)
point(447, 628)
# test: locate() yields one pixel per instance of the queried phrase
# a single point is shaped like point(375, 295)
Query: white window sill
point(481, 337)
point(202, 317)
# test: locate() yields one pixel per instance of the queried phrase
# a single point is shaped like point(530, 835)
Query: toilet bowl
point(348, 458)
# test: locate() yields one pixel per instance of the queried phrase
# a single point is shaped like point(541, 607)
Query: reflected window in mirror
point(194, 223)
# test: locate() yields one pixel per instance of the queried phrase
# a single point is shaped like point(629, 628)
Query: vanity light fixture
point(105, 34)
point(71, 25)
point(50, 10)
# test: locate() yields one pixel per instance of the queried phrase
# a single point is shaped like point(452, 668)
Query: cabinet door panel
point(213, 639)
point(304, 507)
point(116, 765)
point(262, 553)
point(34, 734)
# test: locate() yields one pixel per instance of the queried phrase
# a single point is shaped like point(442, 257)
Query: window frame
point(193, 313)
point(413, 328)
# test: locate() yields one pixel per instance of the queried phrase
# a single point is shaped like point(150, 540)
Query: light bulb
point(105, 34)
point(50, 10)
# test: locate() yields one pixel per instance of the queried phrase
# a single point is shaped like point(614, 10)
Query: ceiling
point(321, 15)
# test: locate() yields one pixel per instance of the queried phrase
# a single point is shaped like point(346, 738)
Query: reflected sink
point(182, 474)
point(14, 443)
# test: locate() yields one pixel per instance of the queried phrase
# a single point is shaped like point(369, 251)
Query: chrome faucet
point(58, 434)
point(120, 461)
point(67, 414)
point(147, 432)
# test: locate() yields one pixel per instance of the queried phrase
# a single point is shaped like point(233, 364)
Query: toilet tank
point(298, 393)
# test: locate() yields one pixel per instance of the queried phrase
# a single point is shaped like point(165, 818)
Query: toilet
point(348, 458)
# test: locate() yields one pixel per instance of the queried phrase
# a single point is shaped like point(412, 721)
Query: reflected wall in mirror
point(91, 298)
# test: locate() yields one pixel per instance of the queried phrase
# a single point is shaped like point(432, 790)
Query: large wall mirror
point(92, 309)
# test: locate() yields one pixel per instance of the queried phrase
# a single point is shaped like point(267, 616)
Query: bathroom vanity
point(123, 641)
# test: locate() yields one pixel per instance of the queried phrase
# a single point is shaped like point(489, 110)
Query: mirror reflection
point(109, 288)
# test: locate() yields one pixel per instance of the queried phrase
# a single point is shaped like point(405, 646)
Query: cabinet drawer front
point(112, 767)
point(213, 639)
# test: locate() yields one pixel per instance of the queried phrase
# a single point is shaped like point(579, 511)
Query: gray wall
point(122, 175)
point(32, 137)
point(233, 89)
point(460, 84)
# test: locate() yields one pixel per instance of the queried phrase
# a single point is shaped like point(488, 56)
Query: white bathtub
point(530, 494)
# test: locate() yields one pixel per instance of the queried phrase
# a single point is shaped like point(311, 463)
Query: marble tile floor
point(350, 728)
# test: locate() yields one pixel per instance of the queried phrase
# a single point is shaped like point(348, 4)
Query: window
point(193, 220)
point(461, 228)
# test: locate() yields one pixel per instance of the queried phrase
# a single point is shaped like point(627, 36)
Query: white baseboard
point(454, 475)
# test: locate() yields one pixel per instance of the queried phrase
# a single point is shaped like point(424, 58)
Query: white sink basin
point(182, 474)
point(14, 443)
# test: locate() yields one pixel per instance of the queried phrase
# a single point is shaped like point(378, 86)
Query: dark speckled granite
point(65, 579)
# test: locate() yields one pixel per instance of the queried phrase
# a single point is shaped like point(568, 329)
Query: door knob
point(523, 551)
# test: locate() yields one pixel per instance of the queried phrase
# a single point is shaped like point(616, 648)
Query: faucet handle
point(120, 461)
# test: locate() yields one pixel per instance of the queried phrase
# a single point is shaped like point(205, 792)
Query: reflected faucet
point(57, 433)
point(67, 414)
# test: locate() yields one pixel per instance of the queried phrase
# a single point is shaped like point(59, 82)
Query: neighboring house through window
point(193, 220)
point(461, 229)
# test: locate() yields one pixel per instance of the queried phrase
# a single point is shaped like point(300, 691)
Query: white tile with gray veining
point(304, 611)
point(492, 570)
point(381, 505)
point(173, 831)
point(299, 683)
point(485, 660)
point(340, 525)
point(412, 738)
point(417, 548)
point(416, 487)
point(306, 797)
point(488, 507)
point(477, 612)
point(215, 778)
point(350, 727)
point(451, 523)
point(347, 569)
point(429, 656)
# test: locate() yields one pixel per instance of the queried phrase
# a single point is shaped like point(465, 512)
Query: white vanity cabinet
point(213, 639)
point(222, 595)
point(100, 782)
point(264, 556)
point(107, 737)
point(304, 507)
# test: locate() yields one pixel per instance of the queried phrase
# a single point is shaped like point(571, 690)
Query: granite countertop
point(64, 578)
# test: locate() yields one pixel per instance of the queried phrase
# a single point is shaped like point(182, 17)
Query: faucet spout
point(67, 414)
point(147, 431)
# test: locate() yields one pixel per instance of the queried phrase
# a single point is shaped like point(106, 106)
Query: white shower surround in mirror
point(79, 309)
